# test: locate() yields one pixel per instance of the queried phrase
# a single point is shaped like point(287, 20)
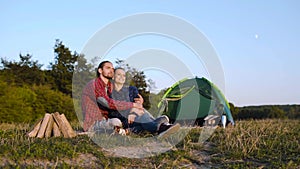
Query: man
point(97, 104)
point(101, 87)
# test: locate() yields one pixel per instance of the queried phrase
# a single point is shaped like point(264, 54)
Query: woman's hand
point(131, 118)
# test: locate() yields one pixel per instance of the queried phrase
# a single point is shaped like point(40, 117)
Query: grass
point(250, 144)
point(268, 143)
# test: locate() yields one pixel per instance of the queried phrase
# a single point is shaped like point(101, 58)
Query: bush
point(50, 101)
point(28, 104)
point(16, 104)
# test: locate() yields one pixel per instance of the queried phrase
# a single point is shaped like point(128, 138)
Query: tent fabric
point(194, 99)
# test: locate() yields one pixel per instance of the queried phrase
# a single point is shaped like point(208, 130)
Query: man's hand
point(131, 118)
point(138, 106)
point(139, 100)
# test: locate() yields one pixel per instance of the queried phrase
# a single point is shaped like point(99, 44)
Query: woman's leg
point(149, 123)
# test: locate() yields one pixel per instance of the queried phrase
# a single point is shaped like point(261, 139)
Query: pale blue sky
point(257, 42)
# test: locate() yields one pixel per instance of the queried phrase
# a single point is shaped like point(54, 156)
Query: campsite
point(260, 137)
point(220, 78)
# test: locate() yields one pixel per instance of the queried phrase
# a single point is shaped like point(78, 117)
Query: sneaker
point(114, 122)
point(166, 130)
point(162, 120)
point(121, 131)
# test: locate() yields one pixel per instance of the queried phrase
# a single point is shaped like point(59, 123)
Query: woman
point(138, 120)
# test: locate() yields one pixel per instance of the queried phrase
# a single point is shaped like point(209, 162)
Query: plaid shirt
point(91, 110)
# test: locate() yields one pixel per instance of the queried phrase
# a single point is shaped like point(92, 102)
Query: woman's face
point(120, 76)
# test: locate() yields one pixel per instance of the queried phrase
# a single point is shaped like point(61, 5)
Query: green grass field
point(249, 144)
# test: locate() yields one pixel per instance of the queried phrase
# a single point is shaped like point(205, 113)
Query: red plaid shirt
point(90, 109)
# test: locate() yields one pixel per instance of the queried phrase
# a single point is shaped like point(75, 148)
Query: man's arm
point(90, 109)
point(109, 103)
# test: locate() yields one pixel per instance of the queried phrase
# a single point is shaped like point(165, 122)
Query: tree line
point(27, 91)
point(265, 112)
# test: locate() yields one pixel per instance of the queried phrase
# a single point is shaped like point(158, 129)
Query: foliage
point(27, 92)
point(272, 111)
point(23, 72)
point(63, 67)
point(16, 103)
point(50, 101)
point(234, 111)
point(82, 74)
point(27, 104)
point(154, 100)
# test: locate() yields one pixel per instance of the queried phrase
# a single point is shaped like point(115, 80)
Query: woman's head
point(119, 75)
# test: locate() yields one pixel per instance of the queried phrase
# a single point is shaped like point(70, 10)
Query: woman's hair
point(101, 65)
point(119, 68)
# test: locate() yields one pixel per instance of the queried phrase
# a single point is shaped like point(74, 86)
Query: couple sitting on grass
point(105, 103)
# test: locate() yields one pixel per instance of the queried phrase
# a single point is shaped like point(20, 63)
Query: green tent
point(194, 100)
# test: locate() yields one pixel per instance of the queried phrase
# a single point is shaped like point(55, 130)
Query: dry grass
point(263, 142)
point(250, 144)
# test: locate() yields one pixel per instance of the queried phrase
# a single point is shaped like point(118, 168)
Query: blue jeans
point(146, 122)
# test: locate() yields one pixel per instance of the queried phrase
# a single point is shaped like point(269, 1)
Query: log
point(71, 132)
point(43, 127)
point(35, 130)
point(56, 131)
point(49, 128)
point(61, 124)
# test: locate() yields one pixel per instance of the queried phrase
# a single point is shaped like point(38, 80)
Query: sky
point(257, 42)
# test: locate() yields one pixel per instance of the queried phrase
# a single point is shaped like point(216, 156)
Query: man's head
point(105, 69)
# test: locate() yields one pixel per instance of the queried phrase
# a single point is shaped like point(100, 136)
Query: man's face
point(107, 71)
point(120, 76)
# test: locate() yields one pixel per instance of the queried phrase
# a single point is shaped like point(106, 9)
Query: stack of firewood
point(52, 125)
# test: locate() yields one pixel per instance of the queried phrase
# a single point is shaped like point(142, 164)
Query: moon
point(256, 36)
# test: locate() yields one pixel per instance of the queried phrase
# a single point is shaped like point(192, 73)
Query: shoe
point(114, 122)
point(162, 119)
point(121, 131)
point(166, 130)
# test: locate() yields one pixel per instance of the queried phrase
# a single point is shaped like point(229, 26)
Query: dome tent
point(195, 100)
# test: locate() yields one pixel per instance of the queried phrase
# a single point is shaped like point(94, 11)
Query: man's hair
point(101, 65)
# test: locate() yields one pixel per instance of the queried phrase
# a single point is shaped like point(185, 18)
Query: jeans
point(146, 122)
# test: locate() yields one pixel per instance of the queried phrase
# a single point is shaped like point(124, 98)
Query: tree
point(26, 71)
point(276, 112)
point(83, 73)
point(63, 67)
point(234, 110)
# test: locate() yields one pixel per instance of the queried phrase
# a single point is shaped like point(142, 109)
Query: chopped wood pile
point(52, 125)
